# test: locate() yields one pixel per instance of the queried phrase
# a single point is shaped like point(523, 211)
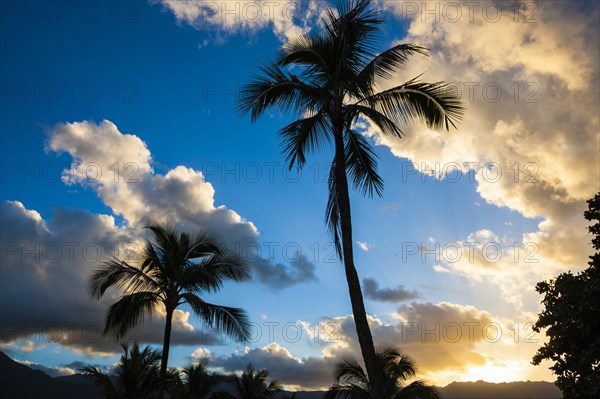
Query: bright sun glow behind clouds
point(511, 370)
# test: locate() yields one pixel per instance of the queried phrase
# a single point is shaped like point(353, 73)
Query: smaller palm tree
point(136, 375)
point(252, 384)
point(198, 383)
point(353, 383)
point(176, 268)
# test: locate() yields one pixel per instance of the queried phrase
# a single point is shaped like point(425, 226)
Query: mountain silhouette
point(18, 381)
point(484, 390)
point(505, 390)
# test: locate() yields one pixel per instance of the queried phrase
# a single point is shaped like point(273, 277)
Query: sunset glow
point(123, 113)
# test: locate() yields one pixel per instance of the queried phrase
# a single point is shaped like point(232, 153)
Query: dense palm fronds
point(353, 383)
point(137, 375)
point(252, 384)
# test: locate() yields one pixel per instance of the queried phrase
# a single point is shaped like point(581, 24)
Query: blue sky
point(151, 87)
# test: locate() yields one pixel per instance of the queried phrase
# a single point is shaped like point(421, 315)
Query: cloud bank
point(446, 340)
point(528, 75)
point(50, 259)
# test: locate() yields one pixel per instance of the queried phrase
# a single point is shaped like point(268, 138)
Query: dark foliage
point(571, 316)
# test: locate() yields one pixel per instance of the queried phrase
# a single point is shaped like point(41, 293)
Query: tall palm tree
point(339, 73)
point(353, 383)
point(252, 384)
point(174, 270)
point(136, 375)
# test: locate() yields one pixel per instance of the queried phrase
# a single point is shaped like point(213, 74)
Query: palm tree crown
point(175, 269)
point(136, 375)
point(353, 382)
point(338, 73)
point(197, 383)
point(252, 384)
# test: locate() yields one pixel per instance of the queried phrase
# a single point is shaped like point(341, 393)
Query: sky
point(114, 112)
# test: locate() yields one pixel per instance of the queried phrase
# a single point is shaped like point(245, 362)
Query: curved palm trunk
point(165, 354)
point(365, 339)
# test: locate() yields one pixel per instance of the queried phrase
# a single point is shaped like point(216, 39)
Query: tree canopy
point(571, 316)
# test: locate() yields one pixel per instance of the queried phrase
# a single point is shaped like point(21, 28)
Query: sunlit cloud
point(364, 246)
point(447, 341)
point(530, 130)
point(286, 19)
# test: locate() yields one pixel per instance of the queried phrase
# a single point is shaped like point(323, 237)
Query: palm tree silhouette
point(252, 384)
point(353, 382)
point(338, 72)
point(176, 268)
point(198, 382)
point(135, 377)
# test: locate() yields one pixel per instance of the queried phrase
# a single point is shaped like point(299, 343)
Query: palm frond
point(171, 246)
point(353, 382)
point(276, 88)
point(227, 265)
point(333, 217)
point(173, 383)
point(418, 389)
point(382, 121)
point(256, 384)
point(435, 104)
point(361, 164)
point(304, 135)
point(352, 31)
point(148, 356)
point(162, 236)
point(155, 257)
point(274, 387)
point(396, 365)
point(198, 380)
point(121, 275)
point(210, 272)
point(99, 379)
point(125, 314)
point(310, 51)
point(164, 246)
point(383, 67)
point(204, 243)
point(348, 370)
point(138, 371)
point(233, 321)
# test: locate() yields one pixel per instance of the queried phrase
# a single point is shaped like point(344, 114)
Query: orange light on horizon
point(495, 372)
